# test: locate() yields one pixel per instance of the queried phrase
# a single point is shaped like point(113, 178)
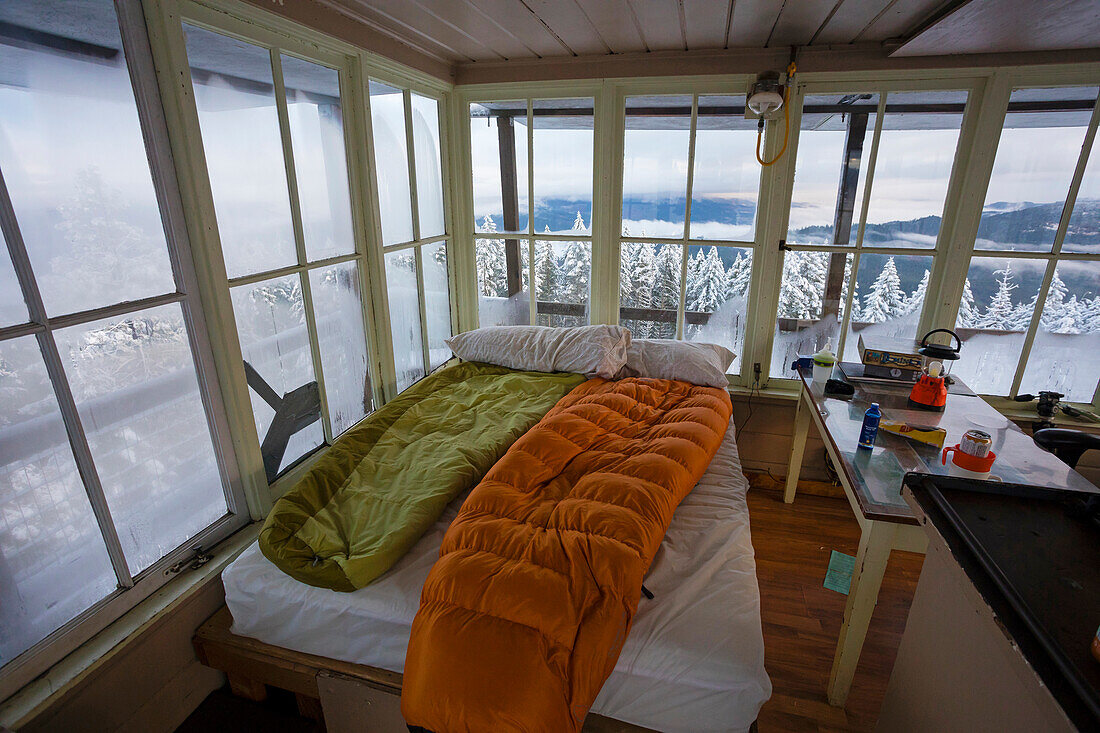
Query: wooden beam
point(509, 193)
point(845, 207)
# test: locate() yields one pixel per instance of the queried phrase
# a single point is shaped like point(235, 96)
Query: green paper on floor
point(839, 576)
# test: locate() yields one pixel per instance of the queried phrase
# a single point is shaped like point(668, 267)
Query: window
point(689, 175)
point(110, 458)
point(409, 174)
point(273, 136)
point(1037, 244)
point(538, 151)
point(870, 182)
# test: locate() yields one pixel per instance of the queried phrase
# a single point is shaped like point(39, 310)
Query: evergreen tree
point(916, 300)
point(886, 298)
point(492, 279)
point(968, 311)
point(693, 286)
point(1059, 315)
point(712, 282)
point(739, 276)
point(578, 224)
point(1090, 316)
point(666, 288)
point(856, 313)
point(546, 272)
point(797, 298)
point(576, 272)
point(1000, 315)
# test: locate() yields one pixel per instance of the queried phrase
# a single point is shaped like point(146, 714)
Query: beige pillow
point(688, 361)
point(591, 350)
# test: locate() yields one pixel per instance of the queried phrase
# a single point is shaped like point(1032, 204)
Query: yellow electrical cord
point(786, 123)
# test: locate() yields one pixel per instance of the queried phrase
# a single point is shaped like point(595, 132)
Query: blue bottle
point(870, 426)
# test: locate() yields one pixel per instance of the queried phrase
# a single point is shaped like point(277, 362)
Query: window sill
point(101, 649)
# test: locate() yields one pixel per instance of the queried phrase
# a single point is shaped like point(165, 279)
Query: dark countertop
point(1034, 556)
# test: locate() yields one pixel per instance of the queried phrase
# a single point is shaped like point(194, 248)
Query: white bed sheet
point(694, 659)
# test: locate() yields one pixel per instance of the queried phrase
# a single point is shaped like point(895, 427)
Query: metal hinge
point(196, 560)
point(783, 246)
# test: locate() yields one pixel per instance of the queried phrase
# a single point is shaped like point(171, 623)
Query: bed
point(694, 659)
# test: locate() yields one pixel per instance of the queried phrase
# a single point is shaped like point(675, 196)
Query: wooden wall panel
point(659, 21)
point(568, 21)
point(897, 19)
point(523, 25)
point(470, 20)
point(706, 22)
point(151, 686)
point(412, 20)
point(614, 21)
point(752, 22)
point(850, 19)
point(796, 27)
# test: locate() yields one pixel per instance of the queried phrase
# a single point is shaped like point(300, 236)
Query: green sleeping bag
point(387, 480)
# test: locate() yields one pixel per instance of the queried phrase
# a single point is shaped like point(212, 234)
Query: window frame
point(938, 253)
point(530, 93)
point(132, 588)
point(726, 85)
point(417, 243)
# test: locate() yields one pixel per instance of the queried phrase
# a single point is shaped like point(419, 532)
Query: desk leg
point(874, 552)
point(798, 448)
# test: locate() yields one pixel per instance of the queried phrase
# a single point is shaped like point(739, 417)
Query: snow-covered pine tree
point(1090, 316)
point(968, 311)
point(1000, 315)
point(1058, 313)
point(886, 297)
point(712, 282)
point(739, 275)
point(489, 258)
point(576, 272)
point(916, 299)
point(578, 224)
point(796, 296)
point(856, 314)
point(666, 288)
point(693, 286)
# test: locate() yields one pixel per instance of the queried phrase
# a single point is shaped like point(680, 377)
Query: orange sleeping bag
point(523, 616)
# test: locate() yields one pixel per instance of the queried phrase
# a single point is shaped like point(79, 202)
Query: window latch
point(194, 561)
point(783, 246)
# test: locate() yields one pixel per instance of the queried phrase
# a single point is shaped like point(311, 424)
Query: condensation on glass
point(810, 312)
point(133, 379)
point(74, 161)
point(429, 165)
point(437, 302)
point(55, 564)
point(271, 326)
point(391, 162)
point(717, 297)
point(341, 338)
point(404, 299)
point(315, 114)
point(239, 122)
point(503, 281)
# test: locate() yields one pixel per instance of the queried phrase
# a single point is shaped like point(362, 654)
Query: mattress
point(694, 659)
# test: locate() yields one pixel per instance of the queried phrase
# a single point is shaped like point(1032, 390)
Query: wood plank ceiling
point(470, 31)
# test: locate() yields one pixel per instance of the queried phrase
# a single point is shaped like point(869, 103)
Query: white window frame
point(417, 243)
point(132, 588)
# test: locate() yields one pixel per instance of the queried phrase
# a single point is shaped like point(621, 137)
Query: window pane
point(429, 170)
point(74, 159)
point(563, 271)
point(391, 159)
point(650, 280)
point(563, 163)
point(499, 178)
point(996, 309)
point(1036, 156)
point(53, 563)
point(831, 124)
point(504, 293)
point(235, 97)
point(916, 152)
point(718, 297)
point(408, 349)
point(437, 302)
point(271, 325)
point(338, 311)
point(135, 387)
point(812, 298)
point(1063, 356)
point(13, 309)
point(726, 182)
point(320, 163)
point(888, 300)
point(655, 163)
point(1083, 233)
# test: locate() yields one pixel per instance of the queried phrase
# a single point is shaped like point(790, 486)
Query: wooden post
point(509, 191)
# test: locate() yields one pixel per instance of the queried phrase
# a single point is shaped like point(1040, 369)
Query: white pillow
point(687, 361)
point(591, 350)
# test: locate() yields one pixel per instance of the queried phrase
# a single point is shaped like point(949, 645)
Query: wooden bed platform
point(342, 695)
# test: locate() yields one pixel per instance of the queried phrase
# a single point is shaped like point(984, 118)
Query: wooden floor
point(802, 619)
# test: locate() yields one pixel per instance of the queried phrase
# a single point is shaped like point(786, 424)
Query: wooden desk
point(872, 481)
